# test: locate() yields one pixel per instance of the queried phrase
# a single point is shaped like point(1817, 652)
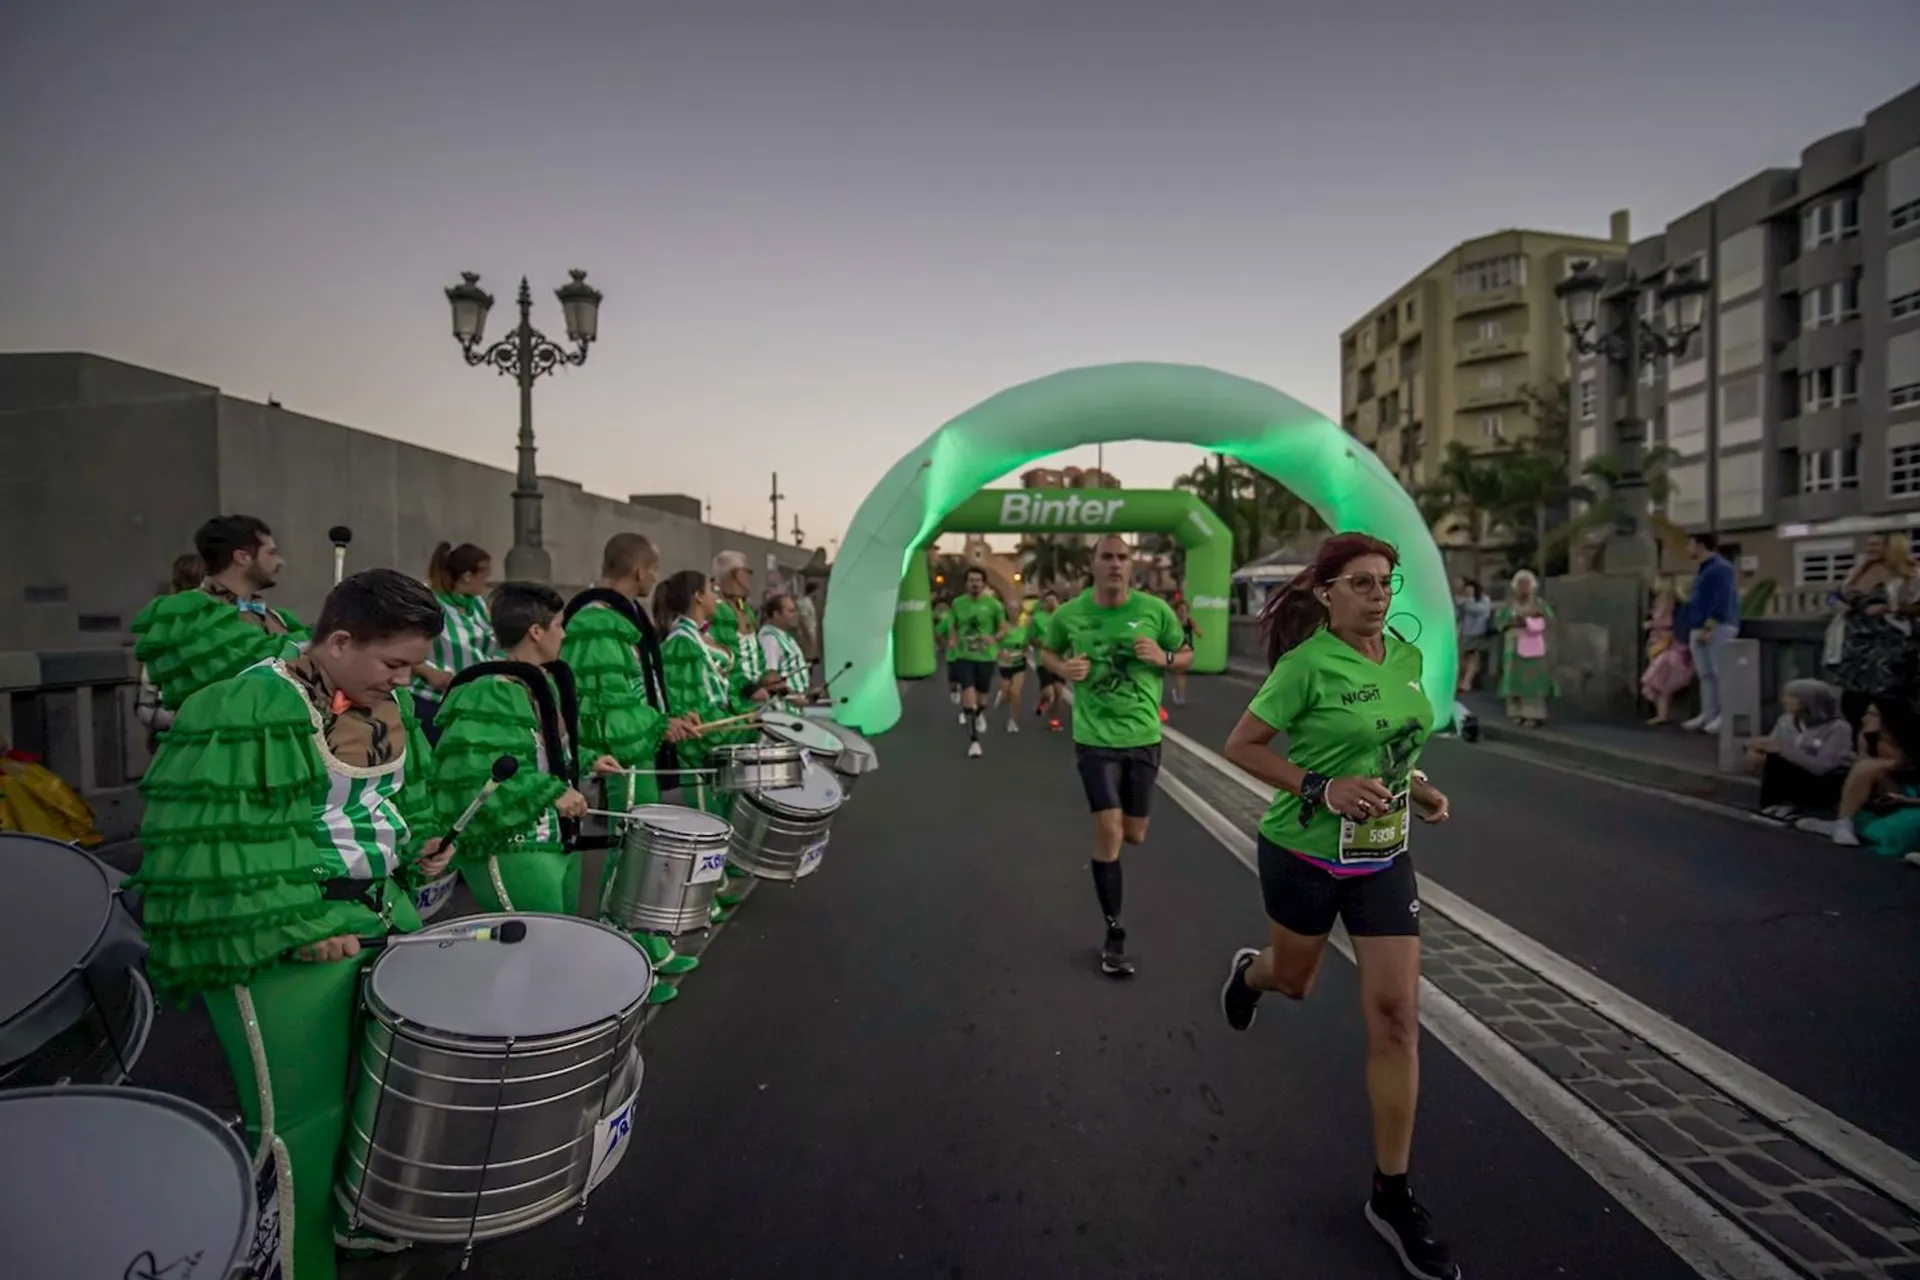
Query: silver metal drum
point(782, 835)
point(114, 1182)
point(432, 899)
point(811, 736)
point(757, 766)
point(74, 1005)
point(857, 756)
point(496, 1082)
point(670, 864)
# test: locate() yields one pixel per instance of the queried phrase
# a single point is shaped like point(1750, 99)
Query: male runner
point(1047, 708)
point(979, 622)
point(943, 645)
point(1116, 645)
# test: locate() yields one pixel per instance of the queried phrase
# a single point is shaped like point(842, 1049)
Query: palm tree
point(1049, 560)
point(1605, 505)
point(1259, 511)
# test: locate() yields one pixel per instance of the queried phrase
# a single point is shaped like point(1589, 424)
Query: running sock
point(1107, 883)
point(1391, 1188)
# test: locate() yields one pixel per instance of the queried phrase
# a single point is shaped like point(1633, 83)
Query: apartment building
point(1795, 413)
point(1447, 355)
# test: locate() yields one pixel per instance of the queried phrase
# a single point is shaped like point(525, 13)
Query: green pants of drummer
point(301, 1035)
point(542, 883)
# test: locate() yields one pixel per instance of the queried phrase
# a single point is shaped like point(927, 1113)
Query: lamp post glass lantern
point(1601, 310)
point(524, 354)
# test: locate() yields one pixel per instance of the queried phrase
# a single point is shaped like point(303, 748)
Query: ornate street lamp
point(1602, 317)
point(525, 354)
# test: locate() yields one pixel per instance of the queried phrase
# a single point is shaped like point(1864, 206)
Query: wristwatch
point(1313, 794)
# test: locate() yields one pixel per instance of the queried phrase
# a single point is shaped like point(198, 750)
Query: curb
point(1697, 783)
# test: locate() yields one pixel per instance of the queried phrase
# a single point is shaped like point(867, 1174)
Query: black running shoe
point(1402, 1223)
point(1114, 960)
point(1238, 1001)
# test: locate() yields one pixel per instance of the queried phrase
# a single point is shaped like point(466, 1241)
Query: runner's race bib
point(1380, 839)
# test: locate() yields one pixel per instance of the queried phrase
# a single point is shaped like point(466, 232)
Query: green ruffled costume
point(231, 871)
point(730, 622)
point(601, 647)
point(696, 687)
point(188, 641)
point(510, 852)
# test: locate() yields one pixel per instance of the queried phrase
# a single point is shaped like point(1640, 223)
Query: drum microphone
point(503, 768)
point(507, 932)
point(339, 536)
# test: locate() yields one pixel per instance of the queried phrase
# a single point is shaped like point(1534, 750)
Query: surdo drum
point(74, 1005)
point(857, 757)
point(758, 766)
point(496, 1083)
point(114, 1182)
point(782, 835)
point(671, 862)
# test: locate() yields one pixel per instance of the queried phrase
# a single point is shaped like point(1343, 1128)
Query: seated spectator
point(1803, 763)
point(1880, 799)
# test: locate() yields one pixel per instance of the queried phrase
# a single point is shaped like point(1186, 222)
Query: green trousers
point(541, 883)
point(301, 1035)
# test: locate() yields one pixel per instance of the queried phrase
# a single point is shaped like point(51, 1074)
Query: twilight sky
point(824, 227)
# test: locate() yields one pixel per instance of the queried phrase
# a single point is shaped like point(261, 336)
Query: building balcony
point(1489, 397)
point(1470, 304)
point(1479, 349)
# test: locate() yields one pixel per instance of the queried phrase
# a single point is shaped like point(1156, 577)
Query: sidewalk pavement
point(1668, 758)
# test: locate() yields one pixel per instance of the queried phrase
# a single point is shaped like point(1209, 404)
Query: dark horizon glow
point(824, 230)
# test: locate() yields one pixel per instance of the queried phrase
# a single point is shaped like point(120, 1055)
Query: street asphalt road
point(908, 1065)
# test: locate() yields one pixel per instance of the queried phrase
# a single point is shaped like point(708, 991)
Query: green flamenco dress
point(248, 816)
point(510, 854)
point(189, 640)
point(698, 684)
point(601, 647)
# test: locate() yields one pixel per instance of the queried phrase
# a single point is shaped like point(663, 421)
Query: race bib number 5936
point(1377, 839)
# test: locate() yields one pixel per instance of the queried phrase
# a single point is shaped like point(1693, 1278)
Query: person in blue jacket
point(1713, 620)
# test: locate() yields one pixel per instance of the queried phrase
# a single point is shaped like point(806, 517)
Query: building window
point(1366, 342)
point(1489, 329)
point(1412, 310)
point(1907, 304)
point(1903, 470)
point(1827, 388)
point(1739, 486)
point(1491, 427)
point(1494, 273)
point(1588, 397)
point(1827, 304)
point(1823, 564)
point(1907, 215)
point(1903, 190)
point(1824, 470)
point(1903, 279)
point(1903, 370)
point(1830, 221)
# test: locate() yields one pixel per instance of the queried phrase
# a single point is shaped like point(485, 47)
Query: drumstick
point(339, 536)
point(503, 768)
point(727, 723)
point(506, 932)
point(659, 773)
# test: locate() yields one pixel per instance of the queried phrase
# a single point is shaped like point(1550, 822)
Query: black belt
point(348, 889)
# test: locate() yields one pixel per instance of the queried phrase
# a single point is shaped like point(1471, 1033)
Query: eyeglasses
point(1366, 584)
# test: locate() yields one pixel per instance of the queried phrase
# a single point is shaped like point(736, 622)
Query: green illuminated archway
point(1207, 542)
point(1184, 404)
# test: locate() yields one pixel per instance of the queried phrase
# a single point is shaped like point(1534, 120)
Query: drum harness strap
point(271, 1147)
point(653, 668)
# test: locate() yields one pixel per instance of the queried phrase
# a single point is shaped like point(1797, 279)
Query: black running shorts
point(953, 671)
point(1047, 677)
point(1305, 899)
point(1119, 778)
point(974, 674)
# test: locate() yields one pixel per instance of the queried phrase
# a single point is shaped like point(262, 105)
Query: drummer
point(735, 628)
point(188, 640)
point(516, 853)
point(780, 645)
point(613, 650)
point(287, 819)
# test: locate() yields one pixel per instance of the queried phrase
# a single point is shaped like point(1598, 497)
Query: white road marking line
point(1854, 1149)
point(1699, 1234)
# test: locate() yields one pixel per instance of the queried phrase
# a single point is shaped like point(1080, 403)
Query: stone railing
point(74, 710)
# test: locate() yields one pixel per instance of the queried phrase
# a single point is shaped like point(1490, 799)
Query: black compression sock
point(1390, 1188)
point(1107, 884)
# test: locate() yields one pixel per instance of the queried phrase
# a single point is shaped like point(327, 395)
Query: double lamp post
point(1601, 309)
point(524, 354)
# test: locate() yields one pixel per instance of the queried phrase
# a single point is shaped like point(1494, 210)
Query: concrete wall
point(110, 468)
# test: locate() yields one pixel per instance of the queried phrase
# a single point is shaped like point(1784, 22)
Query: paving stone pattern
point(1819, 1218)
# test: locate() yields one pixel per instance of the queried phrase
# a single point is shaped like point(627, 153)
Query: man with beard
point(188, 640)
point(614, 653)
point(979, 623)
point(1115, 645)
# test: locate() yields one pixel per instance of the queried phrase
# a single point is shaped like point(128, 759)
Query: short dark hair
point(1709, 539)
point(973, 569)
point(774, 602)
point(626, 552)
point(379, 604)
point(519, 607)
point(220, 539)
point(674, 594)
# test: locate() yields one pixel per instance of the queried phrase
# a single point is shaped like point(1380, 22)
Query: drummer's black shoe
point(1403, 1224)
point(1114, 960)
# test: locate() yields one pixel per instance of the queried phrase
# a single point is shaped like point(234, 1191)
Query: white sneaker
point(963, 717)
point(1843, 833)
point(1013, 726)
point(1711, 726)
point(974, 751)
point(1694, 725)
point(954, 698)
point(1911, 859)
point(980, 723)
point(1816, 826)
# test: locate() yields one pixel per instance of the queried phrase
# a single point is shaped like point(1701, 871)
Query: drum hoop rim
point(79, 966)
point(398, 1024)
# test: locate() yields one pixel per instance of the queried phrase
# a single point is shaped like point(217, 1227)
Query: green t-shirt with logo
point(976, 621)
point(1037, 623)
point(1013, 646)
point(1346, 716)
point(1118, 704)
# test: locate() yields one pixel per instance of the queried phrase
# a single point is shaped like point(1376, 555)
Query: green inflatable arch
point(1207, 542)
point(1183, 404)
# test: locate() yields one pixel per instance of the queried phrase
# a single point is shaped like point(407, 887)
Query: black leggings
point(1784, 782)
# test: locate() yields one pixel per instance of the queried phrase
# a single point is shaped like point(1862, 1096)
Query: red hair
point(1294, 612)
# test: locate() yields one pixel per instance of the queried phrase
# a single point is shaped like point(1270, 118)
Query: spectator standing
point(1713, 622)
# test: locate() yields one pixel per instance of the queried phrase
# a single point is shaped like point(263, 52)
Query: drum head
point(100, 1179)
point(69, 898)
point(565, 975)
point(801, 731)
point(678, 820)
point(818, 794)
